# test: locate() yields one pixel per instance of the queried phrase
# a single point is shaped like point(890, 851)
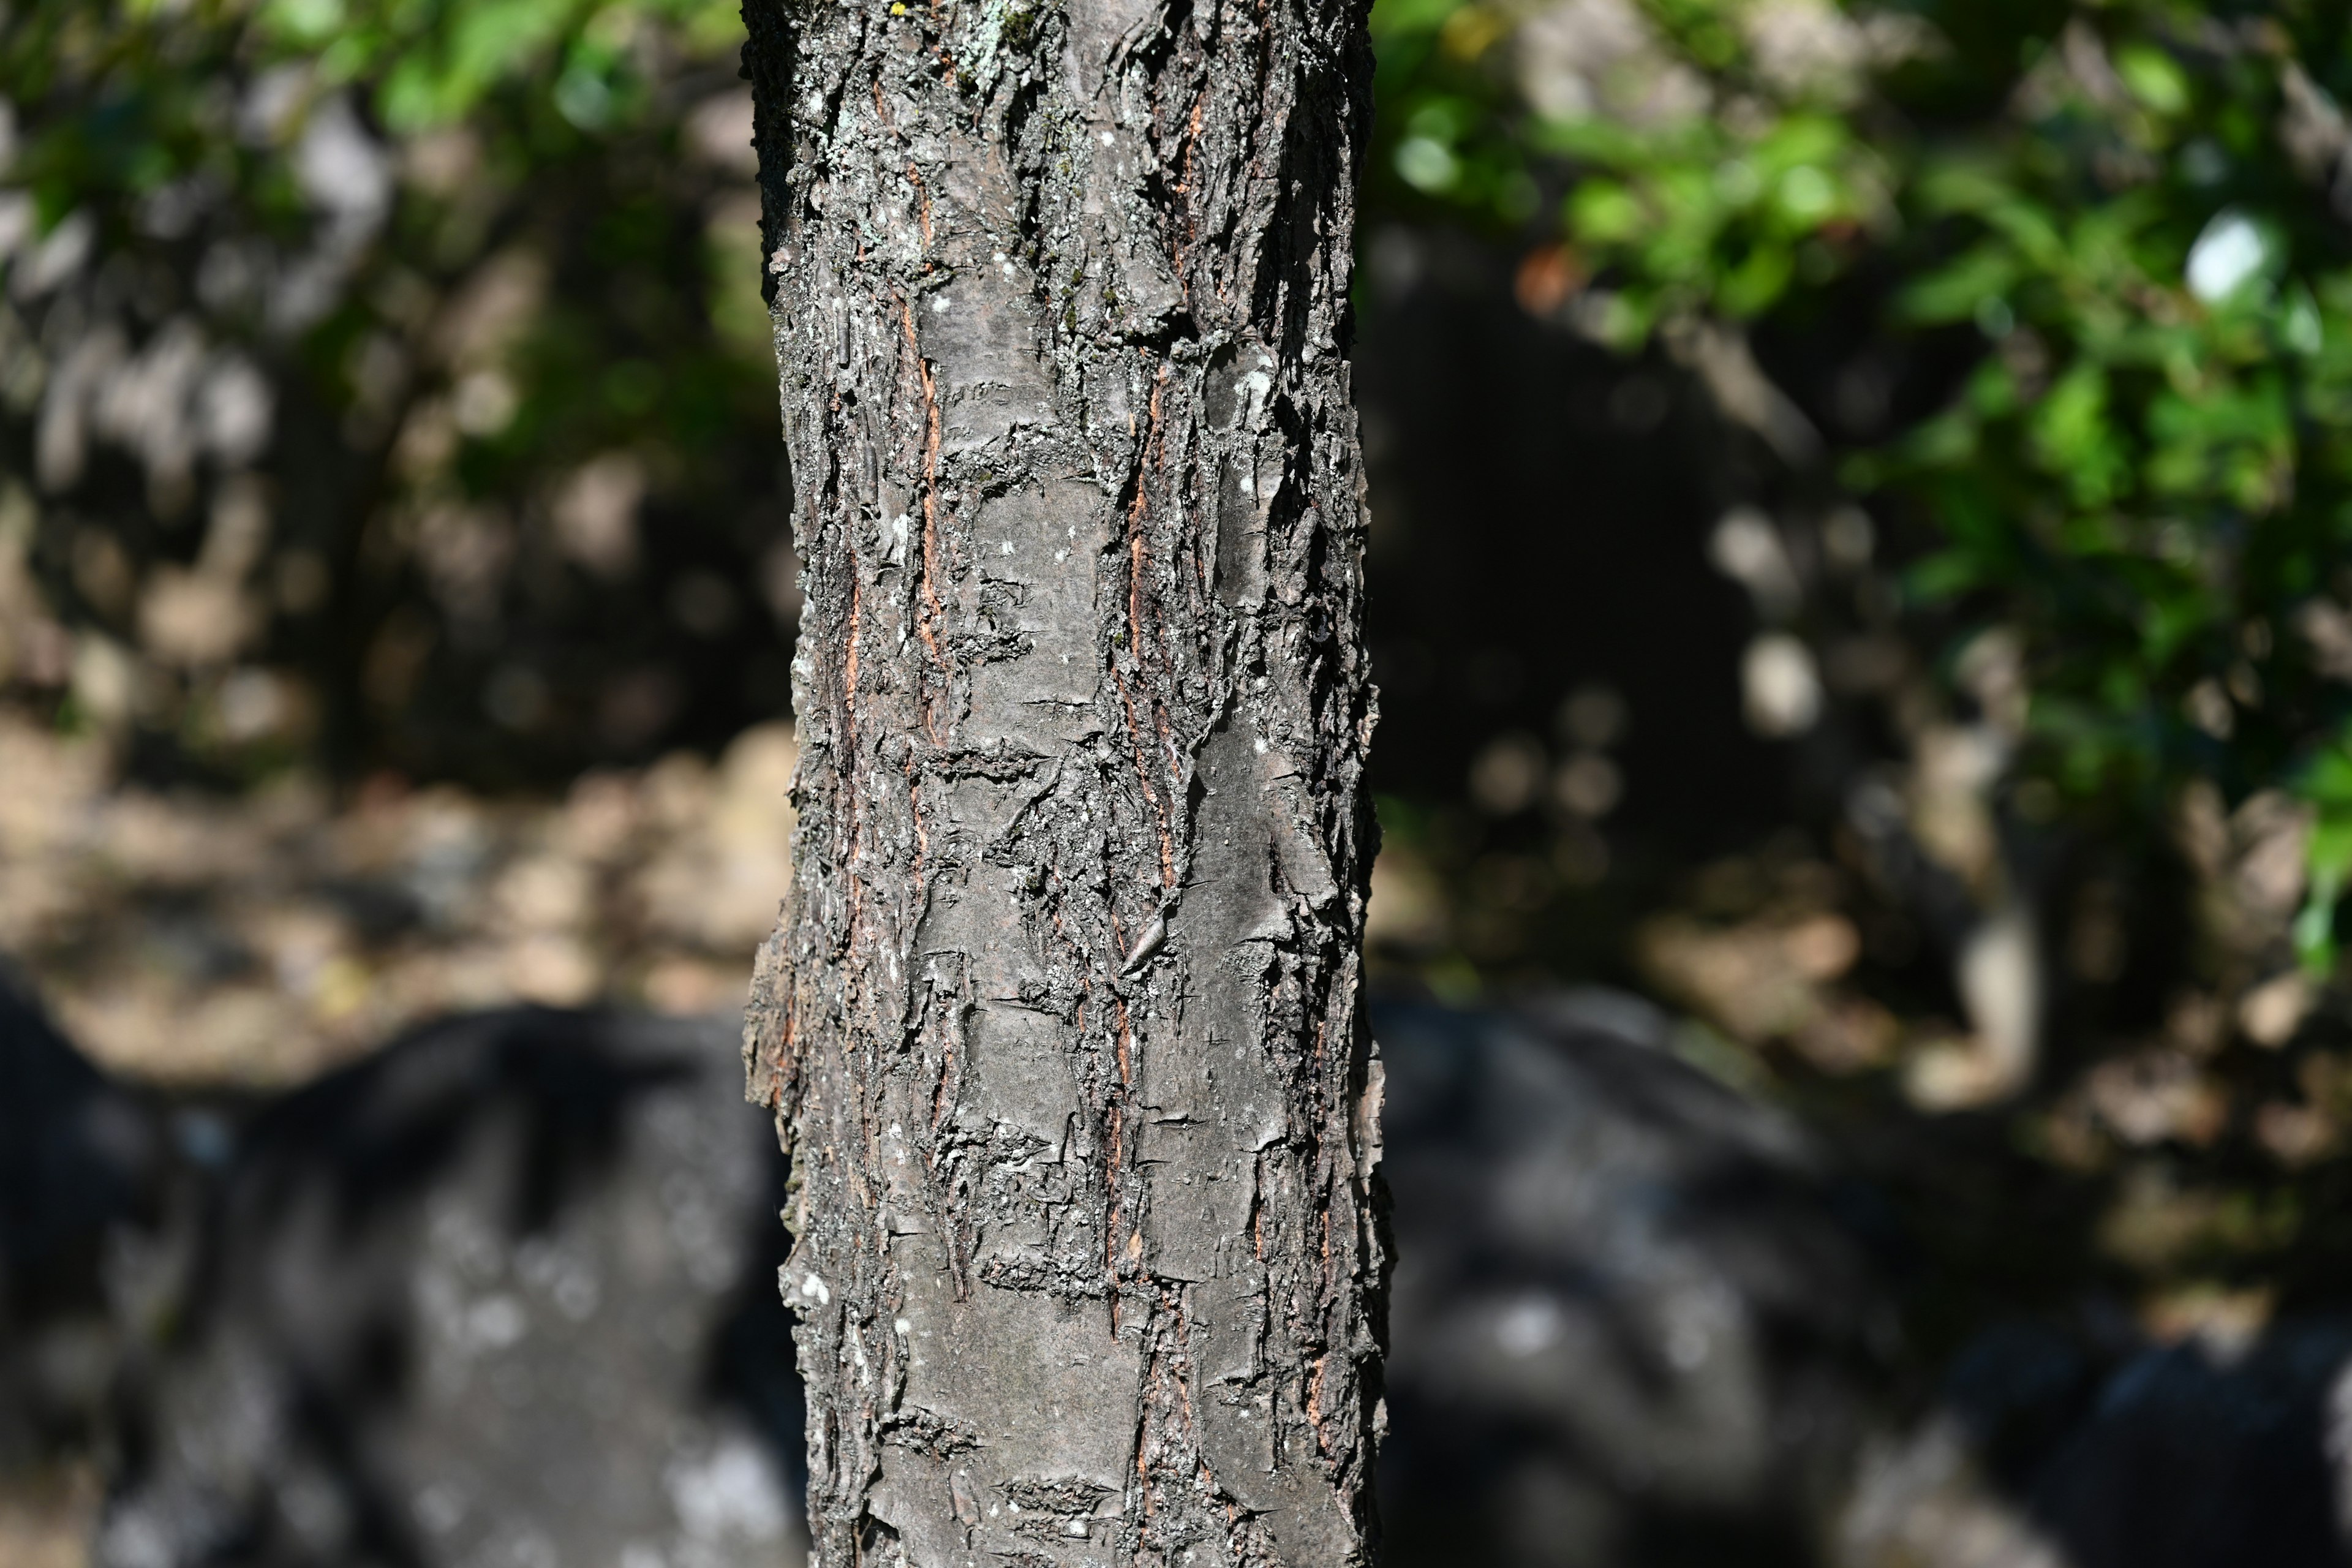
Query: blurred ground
point(46, 1519)
point(187, 938)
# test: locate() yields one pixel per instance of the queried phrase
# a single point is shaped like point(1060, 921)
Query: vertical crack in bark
point(937, 613)
point(1151, 454)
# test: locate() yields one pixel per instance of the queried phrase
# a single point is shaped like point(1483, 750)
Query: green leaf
point(2074, 439)
point(1956, 291)
point(1393, 20)
point(1603, 212)
point(2153, 78)
point(1941, 577)
point(1752, 287)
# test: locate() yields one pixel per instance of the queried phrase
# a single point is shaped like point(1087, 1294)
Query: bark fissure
point(1062, 1026)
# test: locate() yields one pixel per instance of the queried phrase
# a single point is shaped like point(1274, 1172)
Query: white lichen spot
point(939, 305)
point(1252, 388)
point(903, 1326)
point(814, 1289)
point(1005, 549)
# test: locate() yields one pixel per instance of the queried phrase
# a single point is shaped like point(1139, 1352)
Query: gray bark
point(1063, 1026)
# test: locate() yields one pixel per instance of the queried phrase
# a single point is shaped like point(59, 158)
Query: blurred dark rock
point(1627, 1328)
point(1633, 1327)
point(2055, 1450)
point(78, 1157)
point(503, 1294)
point(2194, 1456)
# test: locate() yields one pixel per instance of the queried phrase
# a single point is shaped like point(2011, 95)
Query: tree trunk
point(1062, 1026)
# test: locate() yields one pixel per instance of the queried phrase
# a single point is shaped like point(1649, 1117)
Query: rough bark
point(1063, 1026)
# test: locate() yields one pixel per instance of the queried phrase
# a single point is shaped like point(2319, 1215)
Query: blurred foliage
point(386, 382)
point(2137, 214)
point(2027, 326)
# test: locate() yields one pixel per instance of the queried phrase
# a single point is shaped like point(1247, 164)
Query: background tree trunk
point(1064, 1024)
